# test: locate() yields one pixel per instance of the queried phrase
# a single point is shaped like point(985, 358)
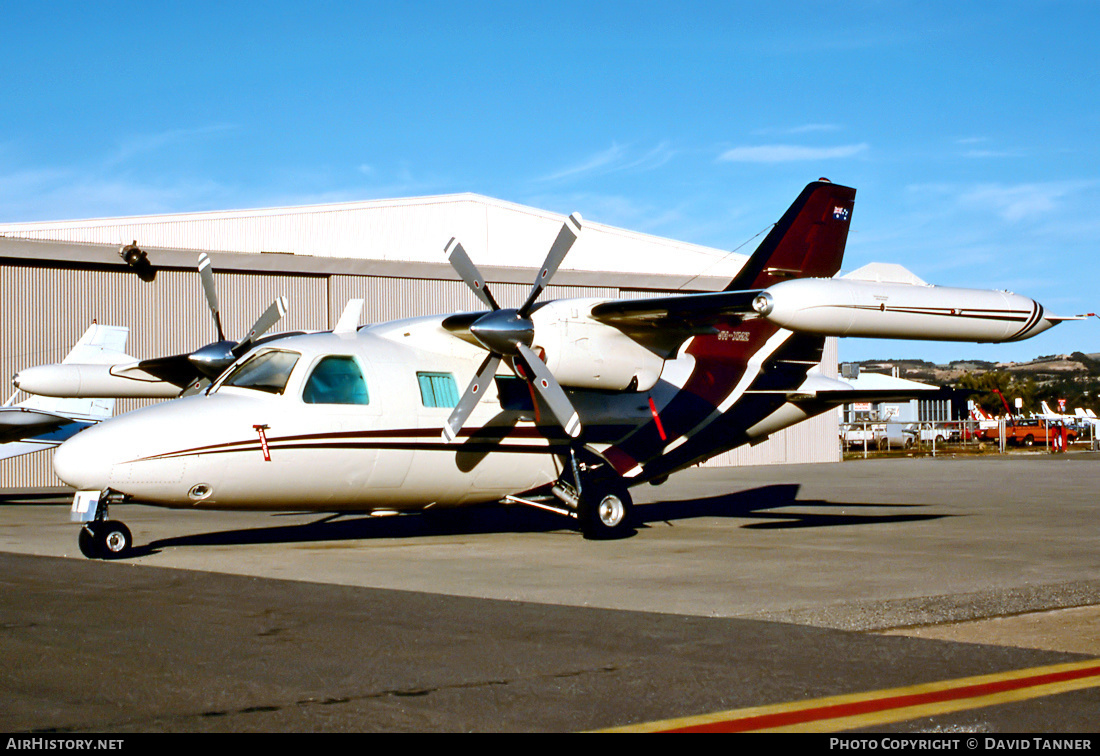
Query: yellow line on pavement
point(837, 713)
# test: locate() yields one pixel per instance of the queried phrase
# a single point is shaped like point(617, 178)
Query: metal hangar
point(57, 277)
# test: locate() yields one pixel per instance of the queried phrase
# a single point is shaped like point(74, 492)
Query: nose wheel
point(105, 539)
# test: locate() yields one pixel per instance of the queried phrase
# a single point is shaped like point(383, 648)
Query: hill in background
point(1073, 377)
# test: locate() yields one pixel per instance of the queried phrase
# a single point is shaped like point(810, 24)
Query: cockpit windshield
point(266, 371)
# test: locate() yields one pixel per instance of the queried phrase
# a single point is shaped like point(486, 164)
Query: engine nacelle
point(583, 353)
point(840, 307)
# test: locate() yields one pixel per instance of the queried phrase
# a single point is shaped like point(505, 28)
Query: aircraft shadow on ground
point(755, 504)
point(36, 498)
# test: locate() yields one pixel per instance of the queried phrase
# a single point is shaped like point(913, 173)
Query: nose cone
point(84, 461)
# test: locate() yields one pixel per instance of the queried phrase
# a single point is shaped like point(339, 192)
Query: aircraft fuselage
point(246, 447)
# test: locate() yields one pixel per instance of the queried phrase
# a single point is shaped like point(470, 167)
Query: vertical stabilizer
point(100, 345)
point(807, 242)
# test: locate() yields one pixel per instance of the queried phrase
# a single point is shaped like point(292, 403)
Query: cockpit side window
point(336, 380)
point(266, 371)
point(438, 389)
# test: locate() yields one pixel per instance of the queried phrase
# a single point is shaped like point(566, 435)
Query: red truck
point(1029, 433)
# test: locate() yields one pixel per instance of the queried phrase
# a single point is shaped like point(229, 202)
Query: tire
point(113, 540)
point(1029, 440)
point(606, 511)
point(89, 546)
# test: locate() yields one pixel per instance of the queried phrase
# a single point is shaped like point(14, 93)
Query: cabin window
point(438, 389)
point(336, 380)
point(265, 371)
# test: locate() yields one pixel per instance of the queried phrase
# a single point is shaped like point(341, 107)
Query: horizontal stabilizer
point(868, 388)
point(885, 273)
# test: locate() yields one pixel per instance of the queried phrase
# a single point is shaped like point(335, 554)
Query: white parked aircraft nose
point(83, 461)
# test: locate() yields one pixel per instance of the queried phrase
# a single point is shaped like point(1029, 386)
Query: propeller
point(211, 360)
point(509, 333)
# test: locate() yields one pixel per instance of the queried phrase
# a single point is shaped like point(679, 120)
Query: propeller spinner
point(508, 332)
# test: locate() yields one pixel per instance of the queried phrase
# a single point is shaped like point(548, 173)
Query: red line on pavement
point(836, 711)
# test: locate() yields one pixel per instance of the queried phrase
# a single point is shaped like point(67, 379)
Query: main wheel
point(605, 510)
point(113, 539)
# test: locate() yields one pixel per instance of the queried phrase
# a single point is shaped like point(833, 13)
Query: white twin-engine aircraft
point(598, 395)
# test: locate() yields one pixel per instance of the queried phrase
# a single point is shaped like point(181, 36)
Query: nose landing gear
point(103, 538)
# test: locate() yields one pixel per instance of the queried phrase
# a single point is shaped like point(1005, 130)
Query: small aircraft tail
point(100, 345)
point(807, 242)
point(43, 422)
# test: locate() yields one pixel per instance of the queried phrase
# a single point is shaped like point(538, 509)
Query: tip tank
point(840, 307)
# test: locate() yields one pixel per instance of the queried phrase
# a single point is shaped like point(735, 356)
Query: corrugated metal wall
point(43, 311)
point(815, 440)
point(395, 298)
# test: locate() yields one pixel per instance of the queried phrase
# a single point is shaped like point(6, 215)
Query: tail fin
point(100, 345)
point(807, 242)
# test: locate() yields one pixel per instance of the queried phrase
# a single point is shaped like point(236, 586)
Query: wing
point(662, 324)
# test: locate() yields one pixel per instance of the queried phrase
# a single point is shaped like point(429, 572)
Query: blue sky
point(971, 130)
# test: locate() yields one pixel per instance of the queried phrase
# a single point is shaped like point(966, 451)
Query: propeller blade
point(206, 273)
point(470, 399)
point(469, 273)
point(551, 391)
point(272, 315)
point(569, 233)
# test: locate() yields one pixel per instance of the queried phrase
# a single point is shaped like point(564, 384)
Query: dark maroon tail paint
point(808, 241)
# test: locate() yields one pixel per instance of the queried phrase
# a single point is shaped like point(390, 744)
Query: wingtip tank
point(839, 307)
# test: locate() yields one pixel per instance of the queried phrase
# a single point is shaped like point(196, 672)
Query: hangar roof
point(495, 233)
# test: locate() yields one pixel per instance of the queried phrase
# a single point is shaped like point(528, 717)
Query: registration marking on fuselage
point(838, 713)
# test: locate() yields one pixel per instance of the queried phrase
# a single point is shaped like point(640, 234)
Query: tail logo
point(840, 213)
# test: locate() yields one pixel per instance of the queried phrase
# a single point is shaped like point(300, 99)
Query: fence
point(934, 437)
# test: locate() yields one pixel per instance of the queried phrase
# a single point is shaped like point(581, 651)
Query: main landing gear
point(103, 538)
point(590, 492)
point(597, 497)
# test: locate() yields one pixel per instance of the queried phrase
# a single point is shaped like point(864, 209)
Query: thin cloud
point(982, 154)
point(789, 153)
point(811, 128)
point(596, 162)
point(140, 144)
point(616, 158)
point(1021, 201)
